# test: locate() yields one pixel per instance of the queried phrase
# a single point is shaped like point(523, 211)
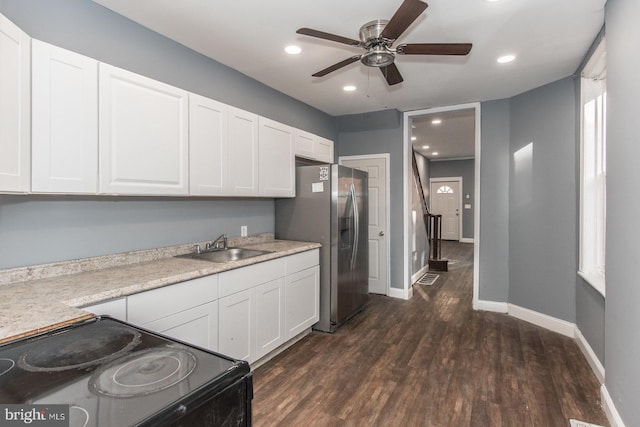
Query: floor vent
point(576, 423)
point(428, 279)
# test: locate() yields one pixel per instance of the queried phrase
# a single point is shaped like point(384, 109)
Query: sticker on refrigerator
point(324, 173)
point(317, 187)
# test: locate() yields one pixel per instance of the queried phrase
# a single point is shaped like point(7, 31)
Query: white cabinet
point(116, 308)
point(15, 108)
point(276, 159)
point(302, 292)
point(187, 311)
point(269, 314)
point(237, 326)
point(64, 147)
point(243, 153)
point(313, 147)
point(143, 138)
point(208, 146)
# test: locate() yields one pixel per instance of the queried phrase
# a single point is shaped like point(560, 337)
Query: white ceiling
point(452, 138)
point(549, 37)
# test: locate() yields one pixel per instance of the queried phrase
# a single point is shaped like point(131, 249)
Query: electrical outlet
point(243, 231)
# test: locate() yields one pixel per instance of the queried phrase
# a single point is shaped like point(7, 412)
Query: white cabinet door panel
point(64, 121)
point(324, 150)
point(143, 135)
point(208, 146)
point(15, 108)
point(302, 303)
point(270, 331)
point(243, 153)
point(305, 143)
point(276, 159)
point(237, 327)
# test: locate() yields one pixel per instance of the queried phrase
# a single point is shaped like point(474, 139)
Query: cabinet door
point(116, 308)
point(237, 328)
point(208, 146)
point(64, 148)
point(276, 159)
point(305, 142)
point(324, 150)
point(243, 153)
point(197, 325)
point(143, 135)
point(15, 108)
point(302, 304)
point(270, 329)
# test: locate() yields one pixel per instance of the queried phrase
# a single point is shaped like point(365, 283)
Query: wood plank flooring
point(429, 361)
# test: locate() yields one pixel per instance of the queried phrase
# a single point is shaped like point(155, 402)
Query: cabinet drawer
point(302, 261)
point(247, 277)
point(155, 304)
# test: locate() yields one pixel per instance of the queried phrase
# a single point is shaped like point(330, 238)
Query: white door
point(445, 201)
point(378, 211)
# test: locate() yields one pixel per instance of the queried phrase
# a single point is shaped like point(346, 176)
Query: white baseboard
point(419, 274)
point(590, 355)
point(466, 240)
point(551, 323)
point(405, 294)
point(495, 306)
point(609, 408)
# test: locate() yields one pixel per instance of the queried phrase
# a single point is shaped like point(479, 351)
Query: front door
point(378, 254)
point(445, 201)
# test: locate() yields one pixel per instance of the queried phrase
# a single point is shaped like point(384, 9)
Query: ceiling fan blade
point(404, 16)
point(392, 74)
point(434, 49)
point(328, 36)
point(337, 66)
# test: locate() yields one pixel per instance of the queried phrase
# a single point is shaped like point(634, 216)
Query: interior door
point(445, 201)
point(378, 254)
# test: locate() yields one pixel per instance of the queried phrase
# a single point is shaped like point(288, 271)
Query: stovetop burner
point(144, 372)
point(81, 349)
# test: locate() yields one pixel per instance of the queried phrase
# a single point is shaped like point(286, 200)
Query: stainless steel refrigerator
point(330, 208)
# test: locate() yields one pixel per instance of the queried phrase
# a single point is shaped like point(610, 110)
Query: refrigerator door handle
point(356, 224)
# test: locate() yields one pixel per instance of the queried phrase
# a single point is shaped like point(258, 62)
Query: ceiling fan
point(376, 37)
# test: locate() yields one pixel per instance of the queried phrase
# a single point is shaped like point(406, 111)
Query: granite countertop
point(44, 297)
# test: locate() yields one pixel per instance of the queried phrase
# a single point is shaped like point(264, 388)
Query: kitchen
point(93, 227)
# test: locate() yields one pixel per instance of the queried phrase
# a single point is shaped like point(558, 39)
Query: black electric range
point(111, 373)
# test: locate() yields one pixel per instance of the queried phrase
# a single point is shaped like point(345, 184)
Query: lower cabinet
point(270, 331)
point(302, 293)
point(236, 325)
point(116, 308)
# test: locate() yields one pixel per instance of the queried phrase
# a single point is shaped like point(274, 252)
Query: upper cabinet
point(243, 153)
point(208, 146)
point(64, 146)
point(310, 146)
point(143, 136)
point(15, 106)
point(276, 159)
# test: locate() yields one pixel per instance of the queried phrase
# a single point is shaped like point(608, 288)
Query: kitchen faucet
point(215, 245)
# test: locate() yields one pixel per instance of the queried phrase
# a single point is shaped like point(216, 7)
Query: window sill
point(595, 280)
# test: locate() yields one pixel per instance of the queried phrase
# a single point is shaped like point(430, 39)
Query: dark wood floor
point(429, 361)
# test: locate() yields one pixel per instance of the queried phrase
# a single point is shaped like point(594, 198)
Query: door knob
point(381, 233)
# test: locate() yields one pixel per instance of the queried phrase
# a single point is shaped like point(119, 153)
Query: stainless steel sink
point(226, 255)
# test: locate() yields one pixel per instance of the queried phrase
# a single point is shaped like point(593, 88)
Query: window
point(593, 169)
point(445, 189)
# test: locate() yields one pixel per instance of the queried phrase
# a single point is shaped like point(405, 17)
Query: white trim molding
point(590, 355)
point(466, 240)
point(418, 274)
point(494, 306)
point(609, 408)
point(399, 293)
point(543, 320)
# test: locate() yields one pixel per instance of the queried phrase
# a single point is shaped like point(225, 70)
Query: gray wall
point(35, 230)
point(494, 209)
point(465, 169)
point(542, 204)
point(622, 342)
point(389, 140)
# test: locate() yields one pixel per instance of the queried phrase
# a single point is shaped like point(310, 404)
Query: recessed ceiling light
point(435, 153)
point(292, 50)
point(349, 88)
point(436, 121)
point(413, 138)
point(506, 59)
point(425, 147)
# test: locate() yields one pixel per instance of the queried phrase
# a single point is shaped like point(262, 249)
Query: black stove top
point(109, 372)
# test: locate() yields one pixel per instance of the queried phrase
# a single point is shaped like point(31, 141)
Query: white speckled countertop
point(38, 298)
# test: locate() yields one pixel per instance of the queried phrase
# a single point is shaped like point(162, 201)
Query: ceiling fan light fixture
point(378, 56)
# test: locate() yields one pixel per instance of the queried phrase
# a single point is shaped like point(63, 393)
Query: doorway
point(377, 165)
point(446, 200)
